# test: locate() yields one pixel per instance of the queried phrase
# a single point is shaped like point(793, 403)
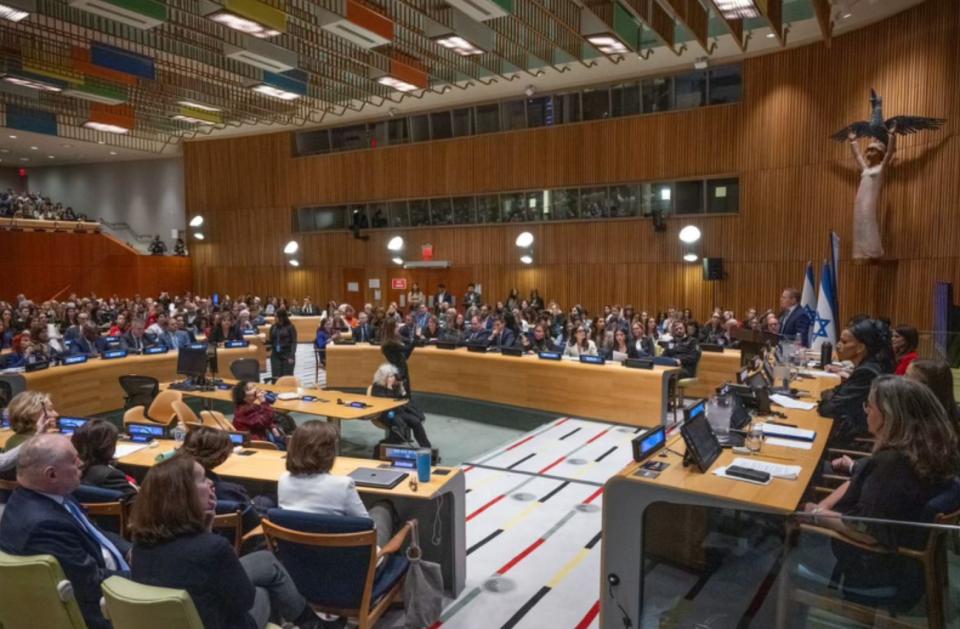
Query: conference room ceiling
point(70, 73)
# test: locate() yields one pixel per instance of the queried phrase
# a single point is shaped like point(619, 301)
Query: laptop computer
point(377, 478)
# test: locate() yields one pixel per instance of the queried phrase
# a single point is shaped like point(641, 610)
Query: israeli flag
point(808, 298)
point(824, 327)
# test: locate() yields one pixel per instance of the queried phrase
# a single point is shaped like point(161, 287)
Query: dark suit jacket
point(363, 333)
point(108, 477)
point(506, 338)
point(34, 524)
point(397, 355)
point(137, 346)
point(477, 338)
point(844, 403)
point(687, 351)
point(798, 322)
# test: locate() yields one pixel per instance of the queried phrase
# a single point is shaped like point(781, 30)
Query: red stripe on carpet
point(486, 506)
point(562, 421)
point(520, 443)
point(532, 547)
point(468, 468)
point(583, 624)
point(592, 439)
point(552, 465)
point(592, 497)
point(436, 624)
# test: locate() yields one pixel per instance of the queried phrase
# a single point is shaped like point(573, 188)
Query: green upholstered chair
point(35, 593)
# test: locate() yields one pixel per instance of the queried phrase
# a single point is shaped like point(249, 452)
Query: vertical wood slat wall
point(795, 185)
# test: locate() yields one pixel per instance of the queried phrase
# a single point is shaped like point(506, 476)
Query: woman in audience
point(96, 442)
point(324, 335)
point(21, 354)
point(536, 301)
point(30, 413)
point(538, 340)
point(431, 331)
point(6, 337)
point(915, 458)
point(226, 330)
point(282, 340)
point(905, 340)
point(386, 383)
point(415, 297)
point(579, 344)
point(211, 448)
point(308, 485)
point(866, 346)
point(653, 330)
point(598, 335)
point(621, 349)
point(119, 327)
point(397, 351)
point(254, 414)
point(513, 300)
point(173, 547)
point(642, 344)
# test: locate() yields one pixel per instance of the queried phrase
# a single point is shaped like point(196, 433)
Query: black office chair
point(246, 369)
point(139, 390)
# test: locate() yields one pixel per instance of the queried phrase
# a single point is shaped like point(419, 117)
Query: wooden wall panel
point(43, 264)
point(795, 185)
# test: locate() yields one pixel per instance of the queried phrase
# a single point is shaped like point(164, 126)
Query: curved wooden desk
point(612, 392)
point(94, 387)
point(306, 328)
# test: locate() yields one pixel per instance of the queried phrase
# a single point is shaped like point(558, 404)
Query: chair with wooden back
point(333, 561)
point(139, 390)
point(880, 604)
point(246, 369)
point(256, 444)
point(160, 411)
point(109, 508)
point(36, 593)
point(288, 381)
point(185, 415)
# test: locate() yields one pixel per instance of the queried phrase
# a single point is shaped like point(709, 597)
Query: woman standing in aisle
point(283, 344)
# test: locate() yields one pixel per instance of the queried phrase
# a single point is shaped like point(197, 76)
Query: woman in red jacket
point(253, 414)
point(905, 340)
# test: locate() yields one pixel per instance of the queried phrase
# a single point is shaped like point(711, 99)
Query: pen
point(776, 423)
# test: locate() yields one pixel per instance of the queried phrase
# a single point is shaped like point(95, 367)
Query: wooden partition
point(795, 186)
point(44, 264)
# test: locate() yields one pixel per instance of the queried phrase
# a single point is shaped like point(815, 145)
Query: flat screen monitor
point(703, 448)
point(69, 425)
point(239, 438)
point(192, 362)
point(145, 433)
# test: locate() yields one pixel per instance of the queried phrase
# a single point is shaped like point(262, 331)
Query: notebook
point(377, 478)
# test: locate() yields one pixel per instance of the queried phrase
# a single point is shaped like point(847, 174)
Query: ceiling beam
point(822, 9)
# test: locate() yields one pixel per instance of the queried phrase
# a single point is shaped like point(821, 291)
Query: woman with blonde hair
point(388, 384)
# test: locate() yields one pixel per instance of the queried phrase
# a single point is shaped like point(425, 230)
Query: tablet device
point(69, 425)
point(377, 478)
point(703, 448)
point(144, 433)
point(238, 438)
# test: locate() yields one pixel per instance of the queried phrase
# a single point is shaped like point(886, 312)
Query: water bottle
point(423, 465)
point(826, 355)
point(179, 433)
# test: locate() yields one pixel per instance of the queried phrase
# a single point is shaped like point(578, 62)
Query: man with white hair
point(42, 517)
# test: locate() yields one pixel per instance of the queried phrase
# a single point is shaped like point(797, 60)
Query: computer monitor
point(192, 362)
point(239, 438)
point(69, 425)
point(145, 433)
point(703, 448)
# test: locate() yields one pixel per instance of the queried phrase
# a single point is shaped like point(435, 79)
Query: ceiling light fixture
point(459, 45)
point(275, 92)
point(98, 94)
point(107, 128)
point(737, 9)
point(526, 259)
point(113, 152)
point(294, 262)
point(142, 14)
point(17, 10)
point(690, 257)
point(291, 247)
point(263, 55)
point(701, 63)
point(690, 234)
point(192, 104)
point(405, 74)
point(608, 44)
point(359, 24)
point(242, 24)
point(483, 10)
point(196, 221)
point(198, 235)
point(34, 82)
point(395, 243)
point(397, 261)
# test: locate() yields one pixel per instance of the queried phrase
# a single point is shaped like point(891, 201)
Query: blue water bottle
point(423, 465)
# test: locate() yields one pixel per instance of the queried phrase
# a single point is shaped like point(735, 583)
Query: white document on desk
point(788, 443)
point(819, 373)
point(788, 402)
point(126, 449)
point(788, 432)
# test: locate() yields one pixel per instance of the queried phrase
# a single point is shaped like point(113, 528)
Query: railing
point(123, 231)
point(34, 224)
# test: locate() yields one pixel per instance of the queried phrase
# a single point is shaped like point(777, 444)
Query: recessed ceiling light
point(690, 257)
point(275, 92)
point(33, 148)
point(846, 16)
point(526, 259)
point(113, 152)
point(14, 11)
point(67, 146)
point(24, 159)
point(196, 105)
point(49, 156)
point(106, 127)
point(4, 150)
point(771, 35)
point(100, 142)
point(13, 137)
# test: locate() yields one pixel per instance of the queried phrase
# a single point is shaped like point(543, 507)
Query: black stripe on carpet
point(554, 491)
point(484, 541)
point(605, 454)
point(593, 542)
point(572, 432)
point(526, 458)
point(526, 608)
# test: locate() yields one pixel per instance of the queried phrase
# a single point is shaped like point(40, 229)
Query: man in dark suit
point(136, 340)
point(794, 320)
point(442, 300)
point(42, 517)
point(471, 298)
point(502, 336)
point(364, 331)
point(478, 334)
point(684, 348)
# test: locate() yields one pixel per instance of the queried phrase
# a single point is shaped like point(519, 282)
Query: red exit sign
point(398, 283)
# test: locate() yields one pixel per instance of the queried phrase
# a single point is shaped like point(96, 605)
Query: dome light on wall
point(291, 247)
point(398, 261)
point(198, 235)
point(294, 262)
point(395, 243)
point(690, 234)
point(527, 259)
point(196, 221)
point(690, 257)
point(525, 239)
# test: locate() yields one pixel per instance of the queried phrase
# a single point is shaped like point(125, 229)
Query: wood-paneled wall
point(43, 264)
point(796, 185)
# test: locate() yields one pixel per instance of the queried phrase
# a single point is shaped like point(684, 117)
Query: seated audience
point(905, 340)
point(211, 448)
point(225, 331)
point(22, 353)
point(915, 458)
point(502, 336)
point(642, 344)
point(538, 341)
point(119, 327)
point(173, 547)
point(431, 331)
point(31, 413)
point(386, 383)
point(397, 351)
point(136, 340)
point(96, 442)
point(937, 375)
point(363, 332)
point(684, 348)
point(325, 334)
point(866, 346)
point(579, 344)
point(478, 333)
point(621, 348)
point(254, 414)
point(41, 517)
point(308, 485)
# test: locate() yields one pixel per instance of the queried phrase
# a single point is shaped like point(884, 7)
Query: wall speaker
point(712, 269)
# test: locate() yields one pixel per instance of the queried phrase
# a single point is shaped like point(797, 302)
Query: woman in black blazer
point(283, 345)
point(640, 342)
point(621, 346)
point(173, 547)
point(397, 351)
point(96, 442)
